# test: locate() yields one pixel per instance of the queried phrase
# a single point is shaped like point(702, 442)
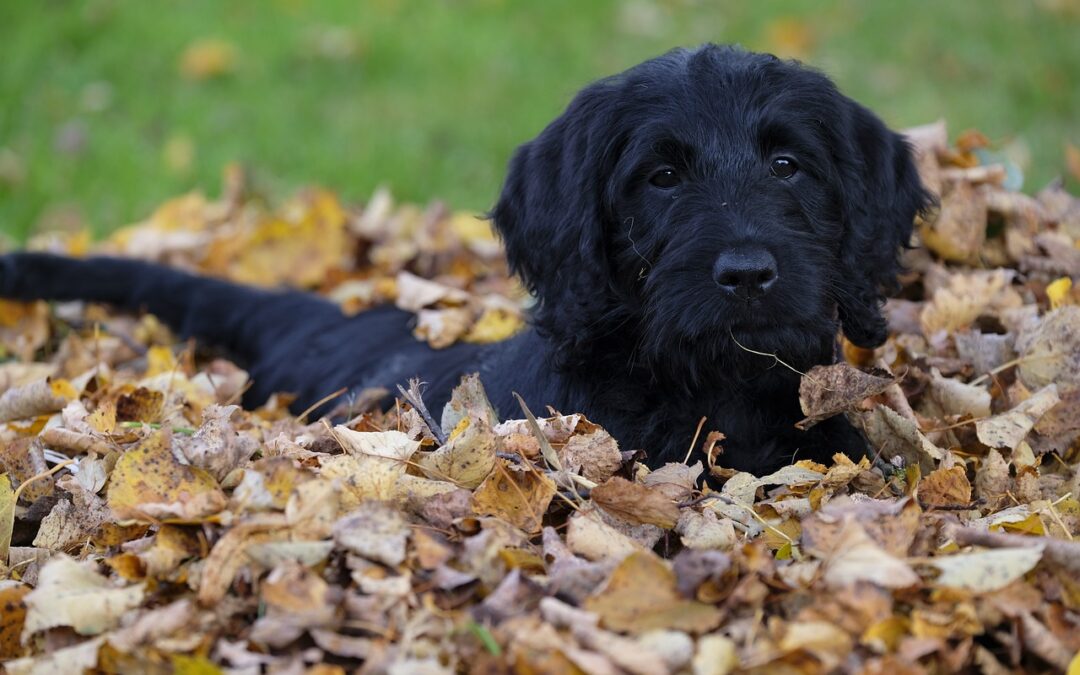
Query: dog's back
point(288, 340)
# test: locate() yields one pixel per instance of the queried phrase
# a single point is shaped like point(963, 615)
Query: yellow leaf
point(641, 596)
point(516, 494)
point(159, 360)
point(884, 635)
point(208, 58)
point(494, 325)
point(1032, 524)
point(1058, 292)
point(7, 516)
point(149, 484)
point(11, 619)
point(193, 665)
point(1074, 665)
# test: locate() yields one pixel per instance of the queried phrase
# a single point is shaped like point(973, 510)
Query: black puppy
point(679, 223)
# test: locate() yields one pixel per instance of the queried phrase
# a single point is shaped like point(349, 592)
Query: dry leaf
point(636, 503)
point(959, 230)
point(1009, 429)
point(1050, 352)
point(149, 484)
point(828, 390)
point(37, 398)
point(375, 531)
point(72, 594)
point(986, 571)
point(946, 487)
point(516, 494)
point(640, 596)
point(855, 557)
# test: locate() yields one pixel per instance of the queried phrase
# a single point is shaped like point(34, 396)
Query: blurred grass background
point(108, 107)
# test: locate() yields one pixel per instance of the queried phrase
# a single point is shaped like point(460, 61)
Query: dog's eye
point(783, 167)
point(665, 179)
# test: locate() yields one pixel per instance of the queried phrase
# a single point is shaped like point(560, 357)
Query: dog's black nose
point(746, 273)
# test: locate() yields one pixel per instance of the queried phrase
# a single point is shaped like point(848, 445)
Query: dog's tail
point(243, 320)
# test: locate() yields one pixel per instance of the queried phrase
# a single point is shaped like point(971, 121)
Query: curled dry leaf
point(636, 503)
point(676, 481)
point(947, 396)
point(216, 446)
point(828, 390)
point(1009, 429)
point(37, 398)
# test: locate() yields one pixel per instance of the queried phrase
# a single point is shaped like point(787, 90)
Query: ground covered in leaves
point(148, 524)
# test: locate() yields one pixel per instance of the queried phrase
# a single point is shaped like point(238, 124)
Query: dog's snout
point(746, 273)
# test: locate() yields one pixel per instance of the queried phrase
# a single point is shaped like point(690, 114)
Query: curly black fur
point(635, 323)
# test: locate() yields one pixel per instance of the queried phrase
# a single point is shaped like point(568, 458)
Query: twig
point(697, 433)
point(777, 359)
point(546, 450)
point(1005, 366)
point(325, 399)
point(416, 400)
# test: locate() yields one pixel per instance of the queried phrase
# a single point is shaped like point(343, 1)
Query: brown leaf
point(596, 452)
point(641, 596)
point(517, 494)
point(828, 390)
point(992, 478)
point(946, 487)
point(959, 231)
point(676, 481)
point(37, 398)
point(854, 557)
point(636, 503)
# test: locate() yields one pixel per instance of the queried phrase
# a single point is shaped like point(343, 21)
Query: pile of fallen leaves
point(148, 524)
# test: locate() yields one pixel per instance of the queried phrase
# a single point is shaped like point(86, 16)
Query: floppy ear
point(882, 194)
point(552, 211)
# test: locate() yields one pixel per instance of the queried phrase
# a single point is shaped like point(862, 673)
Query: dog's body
point(679, 223)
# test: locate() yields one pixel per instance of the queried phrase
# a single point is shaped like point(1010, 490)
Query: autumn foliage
point(148, 524)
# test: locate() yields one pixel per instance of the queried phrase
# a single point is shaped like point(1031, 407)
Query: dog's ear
point(881, 194)
point(553, 207)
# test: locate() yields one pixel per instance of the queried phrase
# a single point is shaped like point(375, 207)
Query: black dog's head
point(706, 203)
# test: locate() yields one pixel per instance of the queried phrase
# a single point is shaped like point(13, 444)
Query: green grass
point(439, 92)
